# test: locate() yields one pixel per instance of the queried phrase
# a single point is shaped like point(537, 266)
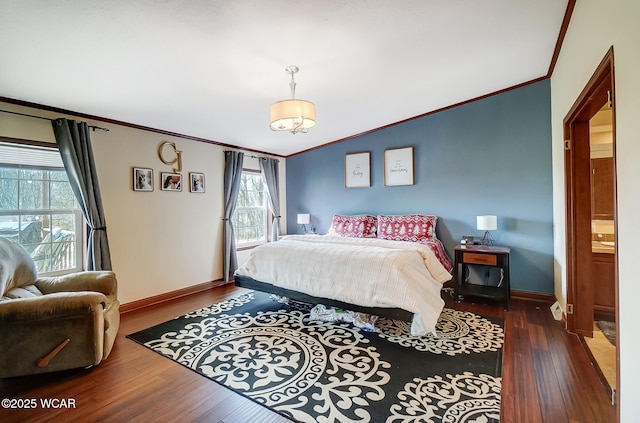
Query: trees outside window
point(38, 208)
point(250, 217)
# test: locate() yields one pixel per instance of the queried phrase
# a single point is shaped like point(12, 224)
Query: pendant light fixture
point(292, 115)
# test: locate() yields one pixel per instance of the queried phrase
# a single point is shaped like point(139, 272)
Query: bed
point(391, 266)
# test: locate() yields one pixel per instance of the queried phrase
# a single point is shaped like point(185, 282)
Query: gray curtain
point(74, 144)
point(232, 178)
point(269, 168)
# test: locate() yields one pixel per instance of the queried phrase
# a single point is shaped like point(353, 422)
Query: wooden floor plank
point(547, 376)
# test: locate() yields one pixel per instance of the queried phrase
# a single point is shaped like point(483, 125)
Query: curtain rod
point(254, 157)
point(93, 128)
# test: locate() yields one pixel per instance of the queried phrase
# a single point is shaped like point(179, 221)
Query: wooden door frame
point(587, 104)
point(578, 246)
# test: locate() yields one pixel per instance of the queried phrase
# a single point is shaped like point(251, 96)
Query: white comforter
point(365, 271)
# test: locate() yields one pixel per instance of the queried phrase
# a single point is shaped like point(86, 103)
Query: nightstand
point(487, 256)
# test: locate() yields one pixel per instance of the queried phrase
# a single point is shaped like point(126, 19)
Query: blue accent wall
point(491, 156)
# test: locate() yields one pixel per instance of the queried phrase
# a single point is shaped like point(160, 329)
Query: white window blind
point(26, 155)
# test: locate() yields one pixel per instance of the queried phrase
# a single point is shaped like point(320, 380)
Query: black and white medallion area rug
point(317, 371)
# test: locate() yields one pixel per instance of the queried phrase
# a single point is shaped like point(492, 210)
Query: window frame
point(268, 213)
point(80, 224)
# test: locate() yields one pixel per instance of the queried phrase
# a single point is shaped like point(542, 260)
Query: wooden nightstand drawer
point(486, 259)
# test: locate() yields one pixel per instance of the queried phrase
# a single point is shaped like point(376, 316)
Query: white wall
point(160, 241)
point(595, 26)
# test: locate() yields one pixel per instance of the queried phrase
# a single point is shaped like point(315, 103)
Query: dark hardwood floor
point(547, 377)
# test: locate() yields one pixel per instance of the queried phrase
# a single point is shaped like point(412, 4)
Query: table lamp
point(487, 223)
point(304, 219)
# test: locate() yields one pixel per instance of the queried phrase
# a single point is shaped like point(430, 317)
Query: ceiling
point(211, 68)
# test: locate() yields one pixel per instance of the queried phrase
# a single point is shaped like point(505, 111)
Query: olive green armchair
point(53, 323)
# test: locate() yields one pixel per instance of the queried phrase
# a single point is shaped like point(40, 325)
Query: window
point(38, 209)
point(250, 217)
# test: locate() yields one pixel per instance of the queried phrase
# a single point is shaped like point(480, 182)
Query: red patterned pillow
point(407, 227)
point(360, 226)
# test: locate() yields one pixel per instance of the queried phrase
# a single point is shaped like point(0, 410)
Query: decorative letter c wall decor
point(177, 153)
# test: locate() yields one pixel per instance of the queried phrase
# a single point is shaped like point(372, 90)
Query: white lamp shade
point(304, 219)
point(288, 115)
point(487, 223)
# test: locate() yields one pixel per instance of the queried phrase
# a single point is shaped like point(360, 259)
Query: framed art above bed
point(398, 166)
point(357, 170)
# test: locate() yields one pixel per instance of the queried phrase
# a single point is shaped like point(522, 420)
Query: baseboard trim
point(168, 296)
point(533, 296)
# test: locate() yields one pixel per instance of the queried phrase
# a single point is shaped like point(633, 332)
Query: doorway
point(590, 194)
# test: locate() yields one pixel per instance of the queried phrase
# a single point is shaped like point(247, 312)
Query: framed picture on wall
point(170, 181)
point(196, 182)
point(357, 170)
point(398, 166)
point(142, 179)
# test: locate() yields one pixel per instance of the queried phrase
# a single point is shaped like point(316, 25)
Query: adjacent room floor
point(604, 353)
